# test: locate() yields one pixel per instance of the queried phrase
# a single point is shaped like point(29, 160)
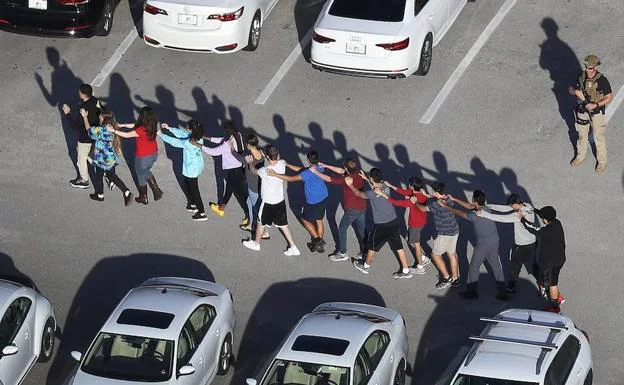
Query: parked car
point(527, 347)
point(26, 330)
point(69, 18)
point(342, 343)
point(216, 26)
point(168, 330)
point(381, 38)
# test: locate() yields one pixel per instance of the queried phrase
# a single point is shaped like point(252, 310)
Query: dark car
point(68, 18)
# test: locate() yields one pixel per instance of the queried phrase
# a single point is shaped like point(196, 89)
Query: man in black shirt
point(594, 94)
point(90, 104)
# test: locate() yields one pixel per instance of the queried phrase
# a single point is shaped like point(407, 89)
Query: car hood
point(82, 378)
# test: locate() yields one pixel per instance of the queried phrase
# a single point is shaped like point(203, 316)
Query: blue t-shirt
point(314, 187)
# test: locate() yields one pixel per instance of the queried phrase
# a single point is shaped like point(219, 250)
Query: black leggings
point(98, 183)
point(236, 184)
point(192, 193)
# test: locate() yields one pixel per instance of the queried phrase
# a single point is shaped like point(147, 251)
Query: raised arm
point(500, 208)
point(337, 170)
point(123, 134)
point(293, 167)
point(287, 178)
point(462, 202)
point(531, 228)
point(316, 172)
point(356, 192)
point(175, 142)
point(502, 218)
point(459, 213)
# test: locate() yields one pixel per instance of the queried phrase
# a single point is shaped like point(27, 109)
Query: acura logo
point(187, 10)
point(355, 39)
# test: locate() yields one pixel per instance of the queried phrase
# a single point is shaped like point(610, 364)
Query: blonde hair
point(108, 119)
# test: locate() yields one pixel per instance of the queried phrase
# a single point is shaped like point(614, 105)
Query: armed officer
point(593, 92)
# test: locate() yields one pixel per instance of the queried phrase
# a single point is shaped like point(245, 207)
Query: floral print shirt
point(104, 155)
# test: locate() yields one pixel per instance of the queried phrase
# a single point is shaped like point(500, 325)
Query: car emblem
point(355, 39)
point(187, 10)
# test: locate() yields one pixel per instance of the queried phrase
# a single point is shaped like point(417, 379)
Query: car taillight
point(153, 10)
point(322, 39)
point(228, 16)
point(395, 46)
point(71, 2)
point(4, 22)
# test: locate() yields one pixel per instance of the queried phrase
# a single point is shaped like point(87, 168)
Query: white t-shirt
point(272, 188)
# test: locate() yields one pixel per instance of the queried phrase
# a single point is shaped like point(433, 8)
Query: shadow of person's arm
point(46, 94)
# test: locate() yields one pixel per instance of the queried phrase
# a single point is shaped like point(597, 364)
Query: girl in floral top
point(105, 151)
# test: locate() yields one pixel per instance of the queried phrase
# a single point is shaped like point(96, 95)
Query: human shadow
point(280, 308)
point(445, 336)
point(306, 12)
point(561, 62)
point(9, 271)
point(64, 86)
point(100, 292)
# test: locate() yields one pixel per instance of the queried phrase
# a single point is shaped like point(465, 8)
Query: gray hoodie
point(521, 234)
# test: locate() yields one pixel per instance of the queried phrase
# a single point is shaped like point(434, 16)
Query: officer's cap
point(592, 61)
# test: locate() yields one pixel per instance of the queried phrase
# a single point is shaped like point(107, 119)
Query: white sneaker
point(265, 234)
point(418, 269)
point(251, 244)
point(292, 251)
point(426, 261)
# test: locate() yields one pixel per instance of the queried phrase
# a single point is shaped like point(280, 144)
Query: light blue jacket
point(193, 158)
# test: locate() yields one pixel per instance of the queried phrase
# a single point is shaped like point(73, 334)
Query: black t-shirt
point(603, 84)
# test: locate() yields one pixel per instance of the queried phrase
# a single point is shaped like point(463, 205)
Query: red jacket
point(417, 217)
point(349, 199)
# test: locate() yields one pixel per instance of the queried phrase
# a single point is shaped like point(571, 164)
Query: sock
point(406, 270)
point(366, 265)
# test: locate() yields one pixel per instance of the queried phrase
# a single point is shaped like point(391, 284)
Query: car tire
point(225, 356)
point(48, 340)
point(399, 374)
point(106, 22)
point(590, 377)
point(426, 55)
point(254, 33)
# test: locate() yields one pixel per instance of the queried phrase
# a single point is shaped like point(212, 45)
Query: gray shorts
point(413, 235)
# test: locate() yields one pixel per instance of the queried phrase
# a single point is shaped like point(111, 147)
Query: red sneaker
point(561, 300)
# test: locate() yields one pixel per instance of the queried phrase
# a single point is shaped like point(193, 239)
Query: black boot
point(127, 197)
point(155, 189)
point(502, 292)
point(471, 291)
point(142, 198)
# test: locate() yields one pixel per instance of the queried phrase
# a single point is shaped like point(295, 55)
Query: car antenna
point(164, 290)
point(337, 316)
point(530, 317)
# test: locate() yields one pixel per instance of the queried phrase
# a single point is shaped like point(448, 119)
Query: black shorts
point(273, 214)
point(385, 232)
point(314, 212)
point(549, 276)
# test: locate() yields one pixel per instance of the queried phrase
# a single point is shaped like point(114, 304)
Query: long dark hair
point(147, 118)
point(197, 130)
point(108, 118)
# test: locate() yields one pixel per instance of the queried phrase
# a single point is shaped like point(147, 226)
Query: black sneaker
point(128, 198)
point(191, 208)
point(469, 294)
point(96, 197)
point(511, 288)
point(79, 183)
point(200, 217)
point(312, 246)
point(321, 242)
point(455, 282)
point(443, 283)
point(400, 274)
point(110, 184)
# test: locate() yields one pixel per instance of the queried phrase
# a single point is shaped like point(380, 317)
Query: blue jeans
point(252, 205)
point(142, 166)
point(350, 216)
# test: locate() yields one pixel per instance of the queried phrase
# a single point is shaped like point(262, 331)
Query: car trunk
point(192, 14)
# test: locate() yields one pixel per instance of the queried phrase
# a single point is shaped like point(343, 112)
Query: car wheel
point(590, 377)
point(254, 33)
point(225, 355)
point(47, 341)
point(106, 23)
point(399, 375)
point(426, 54)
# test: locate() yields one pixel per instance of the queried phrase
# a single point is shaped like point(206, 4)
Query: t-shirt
point(383, 211)
point(272, 188)
point(349, 199)
point(313, 186)
point(485, 229)
point(144, 146)
point(253, 182)
point(445, 222)
point(602, 85)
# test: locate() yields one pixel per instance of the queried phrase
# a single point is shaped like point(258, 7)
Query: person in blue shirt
point(192, 162)
point(315, 197)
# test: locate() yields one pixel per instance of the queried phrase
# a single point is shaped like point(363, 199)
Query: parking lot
point(500, 125)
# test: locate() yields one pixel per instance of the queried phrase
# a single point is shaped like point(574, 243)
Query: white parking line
point(463, 65)
point(283, 70)
point(619, 96)
point(112, 62)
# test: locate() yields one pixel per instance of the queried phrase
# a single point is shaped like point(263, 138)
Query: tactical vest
point(590, 88)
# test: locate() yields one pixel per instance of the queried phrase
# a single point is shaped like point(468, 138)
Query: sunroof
point(323, 345)
point(147, 318)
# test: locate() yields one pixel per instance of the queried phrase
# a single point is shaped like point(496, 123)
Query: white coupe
point(381, 38)
point(219, 26)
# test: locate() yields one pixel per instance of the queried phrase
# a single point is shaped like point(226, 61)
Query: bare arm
point(459, 213)
point(287, 178)
point(293, 167)
point(337, 170)
point(462, 203)
point(316, 172)
point(123, 134)
point(356, 192)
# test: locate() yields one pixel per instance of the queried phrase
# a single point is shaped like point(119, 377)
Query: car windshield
point(463, 379)
point(304, 373)
point(129, 358)
point(375, 10)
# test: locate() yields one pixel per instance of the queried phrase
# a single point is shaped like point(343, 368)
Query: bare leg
point(259, 232)
point(288, 235)
point(370, 256)
point(439, 263)
point(402, 258)
point(418, 251)
point(320, 228)
point(553, 292)
point(454, 265)
point(310, 228)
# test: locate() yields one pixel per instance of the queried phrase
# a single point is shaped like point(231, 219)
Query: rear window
point(375, 10)
point(323, 345)
point(147, 318)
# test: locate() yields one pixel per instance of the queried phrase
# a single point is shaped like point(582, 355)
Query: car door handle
point(391, 358)
point(578, 372)
point(201, 359)
point(431, 15)
point(26, 335)
point(217, 332)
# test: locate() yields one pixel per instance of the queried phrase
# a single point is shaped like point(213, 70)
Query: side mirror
point(251, 381)
point(9, 350)
point(76, 356)
point(186, 370)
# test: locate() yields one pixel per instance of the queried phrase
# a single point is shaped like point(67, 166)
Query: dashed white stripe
point(617, 100)
point(112, 62)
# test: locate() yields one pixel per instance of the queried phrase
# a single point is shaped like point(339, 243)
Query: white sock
point(405, 270)
point(366, 265)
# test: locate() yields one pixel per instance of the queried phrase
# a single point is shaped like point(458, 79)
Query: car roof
point(506, 351)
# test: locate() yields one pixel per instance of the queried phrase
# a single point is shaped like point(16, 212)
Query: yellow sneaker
point(215, 207)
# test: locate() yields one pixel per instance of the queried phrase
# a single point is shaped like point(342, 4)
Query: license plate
point(184, 18)
point(38, 4)
point(357, 48)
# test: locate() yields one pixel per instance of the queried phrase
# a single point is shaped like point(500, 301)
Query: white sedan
point(380, 38)
point(26, 330)
point(168, 330)
point(219, 26)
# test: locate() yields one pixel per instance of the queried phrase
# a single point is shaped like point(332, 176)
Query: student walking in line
point(315, 196)
point(252, 159)
point(192, 164)
point(90, 104)
point(273, 203)
point(551, 253)
point(386, 224)
point(107, 148)
point(523, 253)
point(485, 249)
point(146, 152)
point(417, 218)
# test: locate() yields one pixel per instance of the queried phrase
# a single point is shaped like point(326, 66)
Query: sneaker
point(111, 185)
point(418, 269)
point(252, 245)
point(313, 245)
point(337, 256)
point(292, 251)
point(97, 197)
point(360, 266)
point(265, 234)
point(443, 283)
point(400, 274)
point(79, 183)
point(191, 208)
point(246, 227)
point(426, 261)
point(215, 207)
point(455, 282)
point(320, 249)
point(200, 217)
point(321, 242)
point(561, 300)
point(245, 222)
point(469, 294)
point(541, 291)
point(128, 198)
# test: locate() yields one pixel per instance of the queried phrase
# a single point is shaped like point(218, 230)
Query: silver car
point(341, 343)
point(26, 330)
point(168, 330)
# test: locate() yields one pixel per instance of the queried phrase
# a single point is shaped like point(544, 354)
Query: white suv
point(527, 347)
